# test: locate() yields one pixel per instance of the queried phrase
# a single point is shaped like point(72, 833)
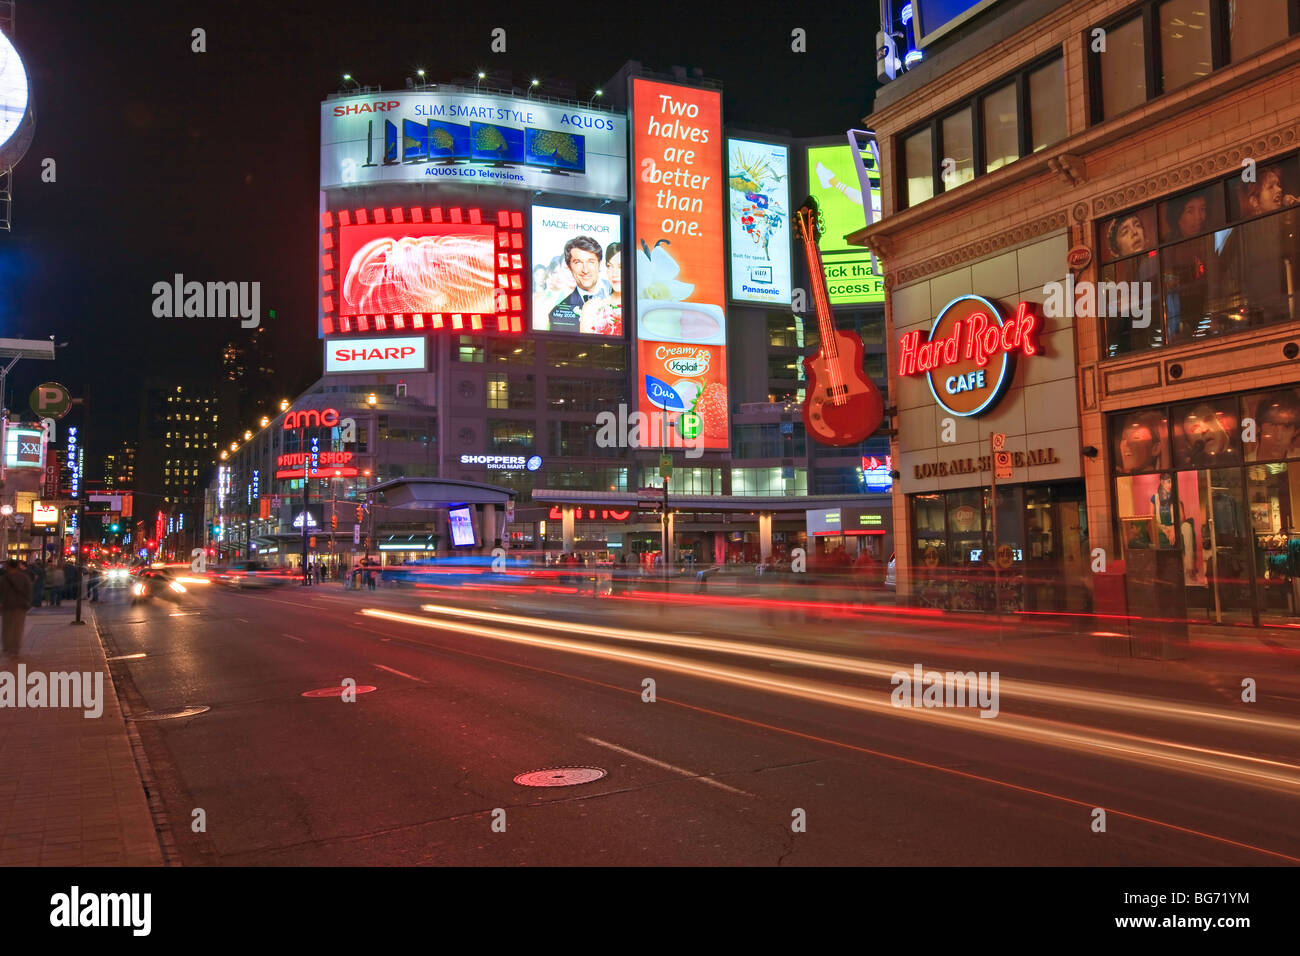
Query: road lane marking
point(394, 670)
point(667, 766)
point(292, 638)
point(855, 748)
point(1097, 741)
point(772, 655)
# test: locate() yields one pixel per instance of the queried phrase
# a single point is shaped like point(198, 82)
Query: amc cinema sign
point(969, 356)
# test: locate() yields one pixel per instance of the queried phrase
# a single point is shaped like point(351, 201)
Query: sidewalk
point(70, 794)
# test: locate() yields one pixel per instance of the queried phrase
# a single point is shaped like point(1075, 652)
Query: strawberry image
point(711, 406)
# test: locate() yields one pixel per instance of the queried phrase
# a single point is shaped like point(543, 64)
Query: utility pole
point(306, 497)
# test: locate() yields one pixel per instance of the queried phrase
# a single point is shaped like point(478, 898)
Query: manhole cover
point(169, 714)
point(559, 777)
point(339, 691)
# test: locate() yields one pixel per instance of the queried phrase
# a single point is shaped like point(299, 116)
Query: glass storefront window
point(1205, 434)
point(1131, 309)
point(1225, 261)
point(1276, 416)
point(1270, 491)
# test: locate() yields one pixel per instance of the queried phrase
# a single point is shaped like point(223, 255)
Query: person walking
point(55, 581)
point(73, 580)
point(15, 599)
point(37, 571)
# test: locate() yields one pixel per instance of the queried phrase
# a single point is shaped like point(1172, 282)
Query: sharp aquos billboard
point(474, 139)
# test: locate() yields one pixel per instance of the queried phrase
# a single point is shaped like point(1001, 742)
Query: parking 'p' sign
point(51, 400)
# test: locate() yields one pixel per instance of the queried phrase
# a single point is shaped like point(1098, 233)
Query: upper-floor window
point(1213, 260)
point(1017, 116)
point(1164, 45)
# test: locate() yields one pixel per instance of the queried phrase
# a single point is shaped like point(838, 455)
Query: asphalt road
point(752, 752)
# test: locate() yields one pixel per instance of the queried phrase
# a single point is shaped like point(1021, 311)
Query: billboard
point(398, 354)
point(425, 267)
point(44, 515)
point(833, 182)
point(462, 526)
point(931, 19)
point(680, 268)
point(476, 139)
point(577, 269)
point(411, 269)
point(758, 181)
point(23, 448)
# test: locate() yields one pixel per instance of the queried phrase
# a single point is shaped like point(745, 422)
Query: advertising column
point(678, 231)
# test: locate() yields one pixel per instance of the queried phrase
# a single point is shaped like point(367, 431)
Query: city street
point(746, 731)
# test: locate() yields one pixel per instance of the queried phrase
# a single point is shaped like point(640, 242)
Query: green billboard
point(833, 182)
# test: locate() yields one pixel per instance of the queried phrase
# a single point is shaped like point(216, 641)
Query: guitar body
point(842, 406)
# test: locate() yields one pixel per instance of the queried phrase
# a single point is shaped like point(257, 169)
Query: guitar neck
point(821, 300)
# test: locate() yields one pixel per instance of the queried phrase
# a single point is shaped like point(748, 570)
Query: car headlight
point(137, 589)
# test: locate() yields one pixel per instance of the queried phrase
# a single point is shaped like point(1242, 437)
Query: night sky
point(207, 164)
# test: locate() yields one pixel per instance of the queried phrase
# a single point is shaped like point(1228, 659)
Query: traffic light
point(334, 522)
point(115, 527)
point(312, 542)
point(359, 514)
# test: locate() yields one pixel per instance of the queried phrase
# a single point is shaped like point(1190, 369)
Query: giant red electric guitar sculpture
point(843, 405)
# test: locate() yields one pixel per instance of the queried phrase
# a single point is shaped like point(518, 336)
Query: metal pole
point(81, 566)
point(306, 491)
point(993, 485)
point(663, 417)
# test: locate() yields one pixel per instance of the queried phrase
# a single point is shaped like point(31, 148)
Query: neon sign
point(326, 458)
point(605, 514)
point(346, 471)
point(311, 418)
point(969, 355)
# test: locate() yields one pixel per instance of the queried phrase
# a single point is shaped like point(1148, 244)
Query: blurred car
point(152, 583)
point(891, 574)
point(114, 576)
point(252, 574)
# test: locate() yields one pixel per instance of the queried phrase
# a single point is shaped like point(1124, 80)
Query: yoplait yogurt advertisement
point(680, 215)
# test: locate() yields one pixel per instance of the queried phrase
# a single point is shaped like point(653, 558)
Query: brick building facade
point(1150, 145)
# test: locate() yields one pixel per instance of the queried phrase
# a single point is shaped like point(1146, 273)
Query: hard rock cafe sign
point(969, 356)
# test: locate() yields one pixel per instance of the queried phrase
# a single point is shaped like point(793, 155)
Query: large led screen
point(833, 182)
point(680, 269)
point(577, 262)
point(462, 527)
point(758, 178)
point(417, 268)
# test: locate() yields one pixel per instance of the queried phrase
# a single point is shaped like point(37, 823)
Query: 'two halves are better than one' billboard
point(679, 217)
point(475, 139)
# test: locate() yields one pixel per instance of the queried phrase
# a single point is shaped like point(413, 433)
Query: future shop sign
point(969, 356)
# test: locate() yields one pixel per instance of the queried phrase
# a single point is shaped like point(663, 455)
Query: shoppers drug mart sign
point(969, 356)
